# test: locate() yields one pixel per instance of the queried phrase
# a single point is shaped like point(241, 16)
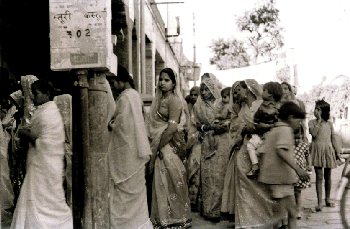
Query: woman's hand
point(219, 128)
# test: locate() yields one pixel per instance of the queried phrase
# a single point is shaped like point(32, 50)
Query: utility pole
point(194, 49)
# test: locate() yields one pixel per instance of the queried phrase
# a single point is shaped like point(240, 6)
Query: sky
point(317, 30)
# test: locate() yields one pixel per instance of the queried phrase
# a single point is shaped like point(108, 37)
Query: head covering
point(29, 108)
point(205, 110)
point(254, 87)
point(17, 96)
point(234, 85)
point(213, 88)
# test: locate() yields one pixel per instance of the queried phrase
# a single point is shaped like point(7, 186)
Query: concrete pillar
point(123, 46)
point(159, 67)
point(143, 47)
point(150, 69)
point(136, 47)
point(96, 165)
point(90, 170)
point(80, 124)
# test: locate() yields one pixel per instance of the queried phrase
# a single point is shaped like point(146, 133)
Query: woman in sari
point(128, 153)
point(215, 149)
point(253, 206)
point(194, 148)
point(41, 203)
point(168, 118)
point(236, 127)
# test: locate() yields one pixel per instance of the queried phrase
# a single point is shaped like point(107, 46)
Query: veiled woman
point(167, 122)
point(215, 149)
point(253, 206)
point(41, 203)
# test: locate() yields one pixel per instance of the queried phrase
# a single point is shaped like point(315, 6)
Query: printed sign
point(80, 34)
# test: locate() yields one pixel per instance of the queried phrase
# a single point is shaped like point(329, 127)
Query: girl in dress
point(324, 150)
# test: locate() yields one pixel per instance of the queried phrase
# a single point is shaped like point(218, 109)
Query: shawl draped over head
point(29, 108)
point(156, 127)
point(202, 114)
point(254, 87)
point(247, 113)
point(17, 96)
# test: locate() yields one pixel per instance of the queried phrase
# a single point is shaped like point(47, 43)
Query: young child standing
point(264, 119)
point(278, 167)
point(302, 156)
point(325, 150)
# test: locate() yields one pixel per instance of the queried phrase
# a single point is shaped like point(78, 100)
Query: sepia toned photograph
point(166, 114)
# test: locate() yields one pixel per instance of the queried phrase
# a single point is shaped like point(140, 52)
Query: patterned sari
point(170, 201)
point(253, 206)
point(214, 154)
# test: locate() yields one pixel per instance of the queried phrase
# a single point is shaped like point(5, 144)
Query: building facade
point(142, 44)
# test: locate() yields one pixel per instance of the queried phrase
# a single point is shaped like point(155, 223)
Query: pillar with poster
point(81, 41)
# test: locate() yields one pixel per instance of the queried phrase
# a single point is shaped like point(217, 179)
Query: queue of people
point(237, 154)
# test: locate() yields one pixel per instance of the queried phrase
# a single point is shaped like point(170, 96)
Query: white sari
point(42, 204)
point(128, 152)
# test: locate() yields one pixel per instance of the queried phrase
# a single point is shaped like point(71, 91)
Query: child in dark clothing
point(264, 119)
point(278, 166)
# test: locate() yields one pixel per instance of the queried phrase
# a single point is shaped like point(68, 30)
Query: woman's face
point(39, 98)
point(285, 89)
point(205, 92)
point(240, 93)
point(165, 83)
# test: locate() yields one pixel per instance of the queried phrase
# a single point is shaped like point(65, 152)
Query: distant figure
point(194, 93)
point(42, 202)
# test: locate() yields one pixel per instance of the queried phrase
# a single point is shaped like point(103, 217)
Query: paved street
point(328, 218)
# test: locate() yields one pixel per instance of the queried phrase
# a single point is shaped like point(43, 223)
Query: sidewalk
point(327, 218)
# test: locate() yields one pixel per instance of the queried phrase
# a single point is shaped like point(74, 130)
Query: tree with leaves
point(263, 39)
point(229, 53)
